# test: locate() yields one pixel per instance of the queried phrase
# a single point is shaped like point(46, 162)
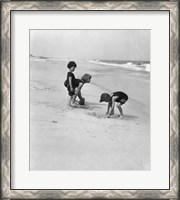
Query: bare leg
point(77, 93)
point(112, 106)
point(81, 99)
point(120, 109)
point(69, 100)
point(74, 97)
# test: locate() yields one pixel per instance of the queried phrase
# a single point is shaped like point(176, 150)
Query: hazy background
point(92, 44)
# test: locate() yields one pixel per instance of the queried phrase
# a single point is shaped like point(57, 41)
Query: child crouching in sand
point(77, 85)
point(86, 78)
point(119, 97)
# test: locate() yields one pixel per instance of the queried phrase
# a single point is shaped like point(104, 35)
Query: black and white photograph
point(90, 99)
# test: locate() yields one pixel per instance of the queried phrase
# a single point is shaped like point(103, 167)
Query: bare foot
point(74, 105)
point(69, 107)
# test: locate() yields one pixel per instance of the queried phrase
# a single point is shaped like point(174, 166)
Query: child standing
point(119, 97)
point(70, 83)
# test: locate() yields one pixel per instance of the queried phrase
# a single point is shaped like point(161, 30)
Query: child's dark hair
point(104, 97)
point(71, 64)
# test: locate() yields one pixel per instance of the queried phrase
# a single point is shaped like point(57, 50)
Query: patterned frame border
point(6, 7)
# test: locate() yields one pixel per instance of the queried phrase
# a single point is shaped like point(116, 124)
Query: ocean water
point(134, 65)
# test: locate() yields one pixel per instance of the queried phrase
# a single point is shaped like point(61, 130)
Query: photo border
point(6, 8)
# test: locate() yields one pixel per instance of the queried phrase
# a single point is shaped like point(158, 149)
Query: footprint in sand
point(96, 115)
point(77, 107)
point(100, 116)
point(83, 107)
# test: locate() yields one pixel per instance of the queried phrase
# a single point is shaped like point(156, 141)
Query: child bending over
point(119, 97)
point(78, 84)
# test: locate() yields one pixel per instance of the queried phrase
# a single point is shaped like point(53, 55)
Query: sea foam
point(134, 65)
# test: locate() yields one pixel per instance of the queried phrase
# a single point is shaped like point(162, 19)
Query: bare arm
point(108, 107)
point(121, 110)
point(70, 83)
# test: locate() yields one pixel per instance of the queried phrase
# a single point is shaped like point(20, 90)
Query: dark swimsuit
point(66, 83)
point(75, 83)
point(121, 96)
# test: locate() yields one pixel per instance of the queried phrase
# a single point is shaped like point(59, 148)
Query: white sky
point(91, 44)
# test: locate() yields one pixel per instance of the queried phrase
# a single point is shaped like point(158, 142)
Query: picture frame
point(7, 7)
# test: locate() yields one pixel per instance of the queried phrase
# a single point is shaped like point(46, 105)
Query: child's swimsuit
point(70, 74)
point(66, 83)
point(75, 83)
point(121, 96)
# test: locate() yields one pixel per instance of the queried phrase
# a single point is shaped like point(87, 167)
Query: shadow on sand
point(130, 117)
point(93, 105)
point(88, 106)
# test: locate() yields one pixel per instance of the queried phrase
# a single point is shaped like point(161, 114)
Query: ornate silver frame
point(6, 7)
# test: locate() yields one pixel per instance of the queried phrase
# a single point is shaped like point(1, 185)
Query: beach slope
point(83, 138)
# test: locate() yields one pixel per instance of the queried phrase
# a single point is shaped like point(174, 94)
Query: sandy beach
point(82, 138)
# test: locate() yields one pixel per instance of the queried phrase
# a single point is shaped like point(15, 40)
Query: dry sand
point(82, 138)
